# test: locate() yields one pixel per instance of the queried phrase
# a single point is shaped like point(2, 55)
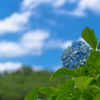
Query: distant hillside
point(16, 85)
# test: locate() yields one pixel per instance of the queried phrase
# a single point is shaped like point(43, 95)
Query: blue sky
point(36, 32)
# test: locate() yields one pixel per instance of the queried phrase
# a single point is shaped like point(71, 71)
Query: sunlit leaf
point(47, 90)
point(98, 46)
point(89, 36)
point(64, 72)
point(83, 82)
point(33, 95)
point(85, 66)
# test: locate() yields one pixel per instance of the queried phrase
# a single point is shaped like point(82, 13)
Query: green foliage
point(16, 85)
point(83, 83)
point(98, 46)
point(89, 36)
point(32, 95)
point(47, 90)
point(64, 72)
point(97, 96)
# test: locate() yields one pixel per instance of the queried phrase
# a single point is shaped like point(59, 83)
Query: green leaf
point(95, 58)
point(57, 92)
point(68, 84)
point(49, 99)
point(97, 70)
point(85, 66)
point(98, 79)
point(47, 90)
point(93, 87)
point(91, 68)
point(75, 69)
point(88, 95)
point(79, 71)
point(64, 94)
point(64, 72)
point(83, 82)
point(81, 98)
point(68, 98)
point(53, 98)
point(77, 94)
point(33, 95)
point(89, 36)
point(59, 85)
point(97, 96)
point(90, 73)
point(87, 82)
point(98, 46)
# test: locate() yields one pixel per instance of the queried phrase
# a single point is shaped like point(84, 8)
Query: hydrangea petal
point(75, 55)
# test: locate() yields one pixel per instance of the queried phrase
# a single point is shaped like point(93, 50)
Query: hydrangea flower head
point(75, 55)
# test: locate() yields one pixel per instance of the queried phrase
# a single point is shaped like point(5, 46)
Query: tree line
point(16, 85)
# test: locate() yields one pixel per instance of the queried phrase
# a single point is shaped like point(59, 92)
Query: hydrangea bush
point(83, 82)
point(75, 55)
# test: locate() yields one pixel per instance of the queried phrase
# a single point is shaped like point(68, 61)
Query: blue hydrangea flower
point(75, 55)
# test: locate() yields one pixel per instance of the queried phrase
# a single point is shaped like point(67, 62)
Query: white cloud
point(29, 4)
point(83, 5)
point(58, 44)
point(71, 13)
point(38, 68)
point(15, 22)
point(72, 1)
point(51, 22)
point(93, 5)
point(14, 66)
point(10, 49)
point(10, 66)
point(37, 35)
point(62, 44)
point(56, 67)
point(31, 43)
point(59, 3)
point(66, 44)
point(18, 21)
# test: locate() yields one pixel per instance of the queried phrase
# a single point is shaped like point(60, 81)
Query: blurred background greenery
point(16, 85)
